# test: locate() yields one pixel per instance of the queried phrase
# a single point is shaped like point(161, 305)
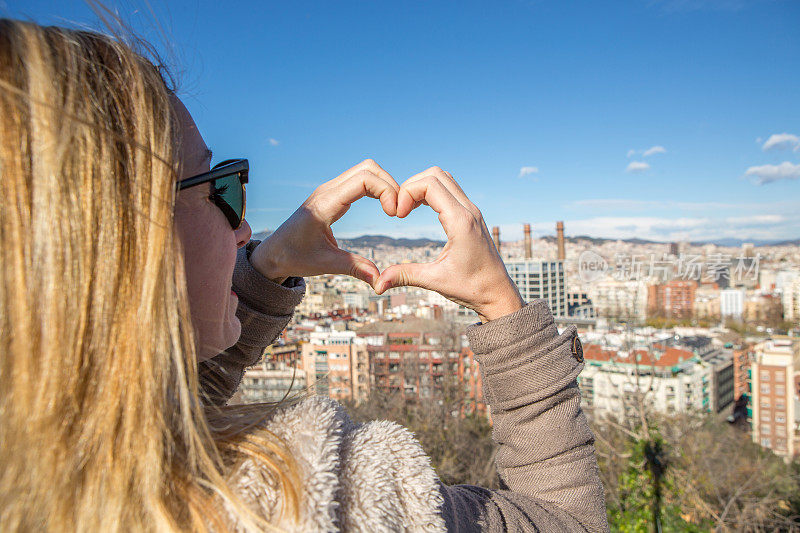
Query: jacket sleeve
point(546, 458)
point(264, 310)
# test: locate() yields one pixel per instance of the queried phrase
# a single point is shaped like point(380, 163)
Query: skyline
point(661, 120)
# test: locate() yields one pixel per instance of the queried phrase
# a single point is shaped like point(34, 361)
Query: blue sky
point(671, 119)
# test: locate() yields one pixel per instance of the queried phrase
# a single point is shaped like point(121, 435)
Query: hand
point(304, 245)
point(469, 270)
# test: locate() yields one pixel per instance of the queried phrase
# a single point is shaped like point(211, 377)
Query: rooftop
point(669, 358)
point(411, 325)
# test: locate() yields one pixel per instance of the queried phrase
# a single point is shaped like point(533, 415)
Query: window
point(765, 442)
point(780, 404)
point(765, 416)
point(780, 376)
point(765, 375)
point(780, 418)
point(766, 429)
point(780, 430)
point(764, 388)
point(780, 390)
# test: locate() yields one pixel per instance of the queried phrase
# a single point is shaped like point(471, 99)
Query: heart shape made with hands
point(469, 270)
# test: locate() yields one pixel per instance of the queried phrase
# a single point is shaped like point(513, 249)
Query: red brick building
point(469, 376)
point(412, 363)
point(741, 370)
point(674, 299)
point(416, 358)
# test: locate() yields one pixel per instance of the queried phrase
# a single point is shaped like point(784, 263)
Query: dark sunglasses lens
point(230, 191)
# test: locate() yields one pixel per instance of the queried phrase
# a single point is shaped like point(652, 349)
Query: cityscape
point(673, 327)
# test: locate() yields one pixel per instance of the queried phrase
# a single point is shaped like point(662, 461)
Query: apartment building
point(415, 358)
point(742, 357)
point(623, 300)
point(469, 376)
point(775, 372)
point(707, 302)
point(276, 376)
point(540, 279)
point(663, 379)
point(336, 364)
point(790, 300)
point(673, 299)
point(731, 303)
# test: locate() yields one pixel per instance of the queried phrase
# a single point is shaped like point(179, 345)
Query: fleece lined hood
point(355, 477)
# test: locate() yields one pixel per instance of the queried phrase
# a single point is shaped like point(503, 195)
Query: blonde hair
point(101, 424)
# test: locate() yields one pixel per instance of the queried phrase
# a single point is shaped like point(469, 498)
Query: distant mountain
point(735, 243)
point(371, 240)
point(795, 242)
point(385, 240)
point(599, 240)
point(726, 242)
point(375, 240)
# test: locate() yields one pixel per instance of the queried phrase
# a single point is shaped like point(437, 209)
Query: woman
point(119, 250)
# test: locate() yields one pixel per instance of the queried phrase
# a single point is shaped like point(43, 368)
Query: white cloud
point(273, 142)
point(527, 171)
point(769, 173)
point(637, 166)
point(629, 204)
point(756, 220)
point(782, 141)
point(657, 149)
point(648, 205)
point(756, 226)
point(654, 150)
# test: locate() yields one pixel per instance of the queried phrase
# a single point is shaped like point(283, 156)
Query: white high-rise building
point(540, 279)
point(731, 302)
point(790, 298)
point(356, 300)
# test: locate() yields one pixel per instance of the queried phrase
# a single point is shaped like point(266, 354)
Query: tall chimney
point(528, 250)
point(496, 237)
point(560, 236)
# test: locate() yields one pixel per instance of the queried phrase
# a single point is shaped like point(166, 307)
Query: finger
point(367, 183)
point(363, 183)
point(413, 206)
point(459, 193)
point(372, 166)
point(449, 182)
point(406, 274)
point(432, 191)
point(354, 265)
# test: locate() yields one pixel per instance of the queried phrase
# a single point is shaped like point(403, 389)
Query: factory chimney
point(528, 250)
point(560, 237)
point(496, 237)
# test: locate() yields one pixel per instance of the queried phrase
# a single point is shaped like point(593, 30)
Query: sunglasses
point(227, 183)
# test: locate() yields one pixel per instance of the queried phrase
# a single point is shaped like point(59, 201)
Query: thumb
point(342, 262)
point(403, 275)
